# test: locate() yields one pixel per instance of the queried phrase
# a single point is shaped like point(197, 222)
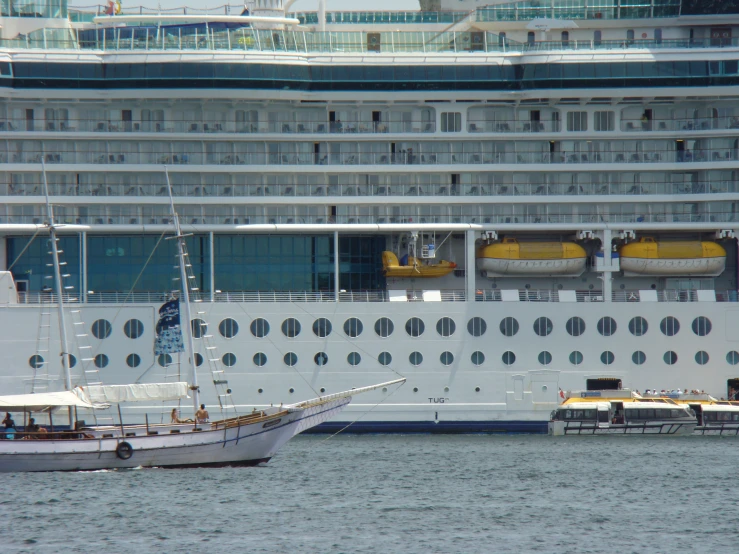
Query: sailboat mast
point(57, 284)
point(187, 327)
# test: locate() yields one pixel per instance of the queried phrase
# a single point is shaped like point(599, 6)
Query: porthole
point(321, 359)
point(575, 357)
point(638, 326)
point(322, 327)
point(670, 357)
point(732, 357)
point(414, 327)
point(638, 357)
point(446, 358)
point(260, 391)
point(101, 329)
point(477, 358)
point(228, 328)
point(259, 359)
point(384, 327)
point(133, 328)
point(199, 328)
point(545, 358)
point(354, 358)
point(446, 326)
point(606, 326)
point(542, 326)
point(290, 359)
point(385, 358)
point(509, 358)
point(353, 327)
point(607, 357)
point(477, 389)
point(198, 359)
point(291, 390)
point(509, 326)
point(702, 326)
point(669, 326)
point(290, 327)
point(701, 357)
point(476, 326)
point(164, 360)
point(72, 360)
point(101, 361)
point(575, 326)
point(416, 358)
point(415, 389)
point(36, 361)
point(323, 390)
point(229, 359)
point(133, 360)
point(259, 328)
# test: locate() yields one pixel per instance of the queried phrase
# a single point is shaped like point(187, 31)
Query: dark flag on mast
point(169, 333)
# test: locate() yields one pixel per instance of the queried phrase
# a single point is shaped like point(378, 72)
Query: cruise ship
point(499, 200)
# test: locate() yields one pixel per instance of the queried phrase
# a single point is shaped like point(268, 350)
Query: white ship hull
point(707, 267)
point(498, 267)
point(248, 444)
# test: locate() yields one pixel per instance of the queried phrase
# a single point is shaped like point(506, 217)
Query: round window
point(542, 326)
point(259, 359)
point(732, 357)
point(164, 360)
point(385, 358)
point(133, 328)
point(36, 361)
point(446, 327)
point(72, 360)
point(638, 326)
point(606, 326)
point(133, 360)
point(415, 358)
point(509, 358)
point(670, 357)
point(259, 328)
point(291, 327)
point(322, 327)
point(575, 357)
point(384, 327)
point(638, 357)
point(545, 358)
point(669, 326)
point(477, 358)
point(414, 327)
point(228, 328)
point(198, 359)
point(321, 359)
point(607, 357)
point(229, 359)
point(290, 359)
point(354, 358)
point(476, 326)
point(702, 326)
point(353, 327)
point(446, 358)
point(509, 326)
point(701, 357)
point(101, 329)
point(575, 326)
point(199, 328)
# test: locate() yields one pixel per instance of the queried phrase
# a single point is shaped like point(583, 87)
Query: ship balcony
point(692, 125)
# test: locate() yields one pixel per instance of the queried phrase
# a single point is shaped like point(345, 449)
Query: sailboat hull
point(238, 445)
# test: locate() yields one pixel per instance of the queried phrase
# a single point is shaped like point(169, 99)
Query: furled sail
point(46, 401)
point(169, 332)
point(146, 392)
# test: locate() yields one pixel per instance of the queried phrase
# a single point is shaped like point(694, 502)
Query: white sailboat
point(241, 440)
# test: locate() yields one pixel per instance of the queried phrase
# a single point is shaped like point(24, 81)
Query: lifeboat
point(669, 258)
point(510, 257)
point(415, 267)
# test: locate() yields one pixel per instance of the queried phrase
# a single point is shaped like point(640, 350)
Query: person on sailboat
point(201, 416)
point(176, 417)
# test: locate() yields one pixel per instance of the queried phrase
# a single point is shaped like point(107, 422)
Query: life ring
point(124, 450)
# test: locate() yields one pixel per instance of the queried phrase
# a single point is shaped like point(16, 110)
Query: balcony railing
point(545, 295)
point(689, 124)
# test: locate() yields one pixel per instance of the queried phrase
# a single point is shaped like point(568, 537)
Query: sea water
point(406, 494)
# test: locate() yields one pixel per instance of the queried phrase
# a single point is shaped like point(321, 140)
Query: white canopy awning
point(47, 401)
point(146, 392)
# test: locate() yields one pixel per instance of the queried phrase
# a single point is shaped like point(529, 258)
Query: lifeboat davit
point(510, 257)
point(675, 257)
point(415, 267)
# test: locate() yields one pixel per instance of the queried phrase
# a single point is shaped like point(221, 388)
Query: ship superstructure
point(552, 186)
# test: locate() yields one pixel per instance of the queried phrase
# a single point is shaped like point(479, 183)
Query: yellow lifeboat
point(415, 268)
point(510, 257)
point(670, 258)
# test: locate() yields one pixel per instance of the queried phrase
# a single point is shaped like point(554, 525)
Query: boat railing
point(693, 124)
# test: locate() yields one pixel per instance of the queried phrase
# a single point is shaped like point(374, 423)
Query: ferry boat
point(302, 146)
point(715, 417)
point(620, 412)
